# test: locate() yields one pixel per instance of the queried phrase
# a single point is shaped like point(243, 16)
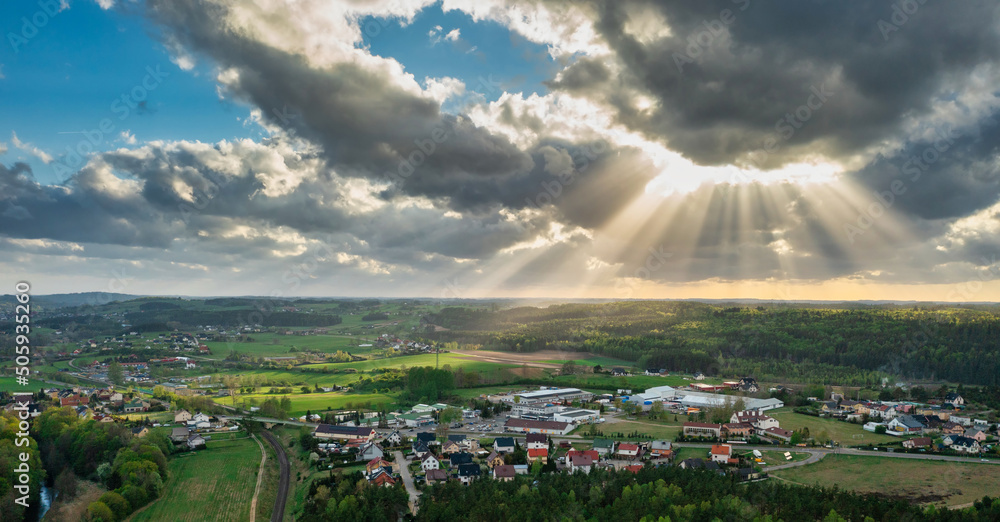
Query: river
point(46, 496)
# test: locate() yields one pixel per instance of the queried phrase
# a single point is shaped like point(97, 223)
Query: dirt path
point(260, 477)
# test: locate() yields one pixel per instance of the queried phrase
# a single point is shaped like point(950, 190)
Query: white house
point(581, 462)
point(429, 462)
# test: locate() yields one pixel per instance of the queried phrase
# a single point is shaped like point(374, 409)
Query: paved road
point(279, 503)
point(404, 472)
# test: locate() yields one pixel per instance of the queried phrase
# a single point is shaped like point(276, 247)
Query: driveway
point(404, 473)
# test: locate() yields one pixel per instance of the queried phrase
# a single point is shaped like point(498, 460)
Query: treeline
point(10, 454)
point(426, 383)
point(864, 343)
point(669, 493)
point(133, 469)
point(349, 498)
point(375, 316)
point(232, 318)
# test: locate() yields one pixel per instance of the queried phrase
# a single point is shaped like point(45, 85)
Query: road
point(278, 513)
point(404, 473)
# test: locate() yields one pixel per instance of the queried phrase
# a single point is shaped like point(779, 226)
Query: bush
point(136, 496)
point(99, 512)
point(117, 503)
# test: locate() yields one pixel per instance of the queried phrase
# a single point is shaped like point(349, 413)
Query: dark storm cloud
point(730, 70)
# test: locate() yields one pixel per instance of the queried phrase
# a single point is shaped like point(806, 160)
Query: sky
point(800, 150)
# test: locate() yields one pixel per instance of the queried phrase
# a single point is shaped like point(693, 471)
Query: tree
point(66, 483)
point(656, 411)
point(99, 512)
point(115, 374)
point(569, 368)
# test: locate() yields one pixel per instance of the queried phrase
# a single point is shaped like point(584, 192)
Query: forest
point(854, 344)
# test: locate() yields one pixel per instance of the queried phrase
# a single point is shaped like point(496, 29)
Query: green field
point(845, 433)
point(213, 484)
point(319, 402)
point(919, 481)
point(278, 345)
point(409, 361)
point(9, 384)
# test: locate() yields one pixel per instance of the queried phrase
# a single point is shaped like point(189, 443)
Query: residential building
point(393, 439)
point(738, 430)
point(952, 428)
point(962, 444)
point(140, 431)
point(628, 451)
point(976, 434)
point(436, 475)
point(541, 454)
point(661, 449)
point(369, 451)
point(180, 434)
point(195, 441)
point(429, 462)
point(503, 444)
point(955, 400)
point(457, 459)
point(136, 406)
point(776, 434)
point(905, 424)
point(580, 462)
point(182, 416)
point(494, 459)
point(917, 442)
point(604, 446)
point(504, 473)
point(754, 418)
point(721, 453)
point(468, 472)
point(537, 441)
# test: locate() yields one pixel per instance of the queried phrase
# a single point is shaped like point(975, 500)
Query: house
point(420, 449)
point(661, 449)
point(381, 478)
point(541, 454)
point(503, 445)
point(698, 376)
point(537, 441)
point(619, 372)
point(136, 405)
point(74, 400)
point(747, 474)
point(964, 421)
point(451, 447)
point(427, 438)
point(326, 431)
point(196, 441)
point(976, 434)
point(954, 400)
point(197, 419)
point(82, 411)
point(737, 430)
point(457, 459)
point(429, 462)
point(594, 456)
point(634, 468)
point(701, 429)
point(494, 459)
point(580, 462)
point(377, 463)
point(721, 453)
point(180, 434)
point(692, 464)
point(905, 424)
point(776, 434)
point(436, 475)
point(369, 451)
point(504, 473)
point(655, 371)
point(182, 416)
point(393, 439)
point(116, 398)
point(917, 442)
point(468, 472)
point(748, 385)
point(604, 446)
point(140, 431)
point(962, 444)
point(754, 418)
point(951, 428)
point(628, 451)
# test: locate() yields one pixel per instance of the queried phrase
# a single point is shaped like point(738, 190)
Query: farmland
point(317, 402)
point(213, 484)
point(920, 481)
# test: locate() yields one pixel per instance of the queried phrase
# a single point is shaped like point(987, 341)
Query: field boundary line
point(260, 477)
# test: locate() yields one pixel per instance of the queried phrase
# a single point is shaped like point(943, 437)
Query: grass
point(213, 484)
point(845, 433)
point(318, 402)
point(920, 481)
point(278, 345)
point(9, 384)
point(410, 361)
